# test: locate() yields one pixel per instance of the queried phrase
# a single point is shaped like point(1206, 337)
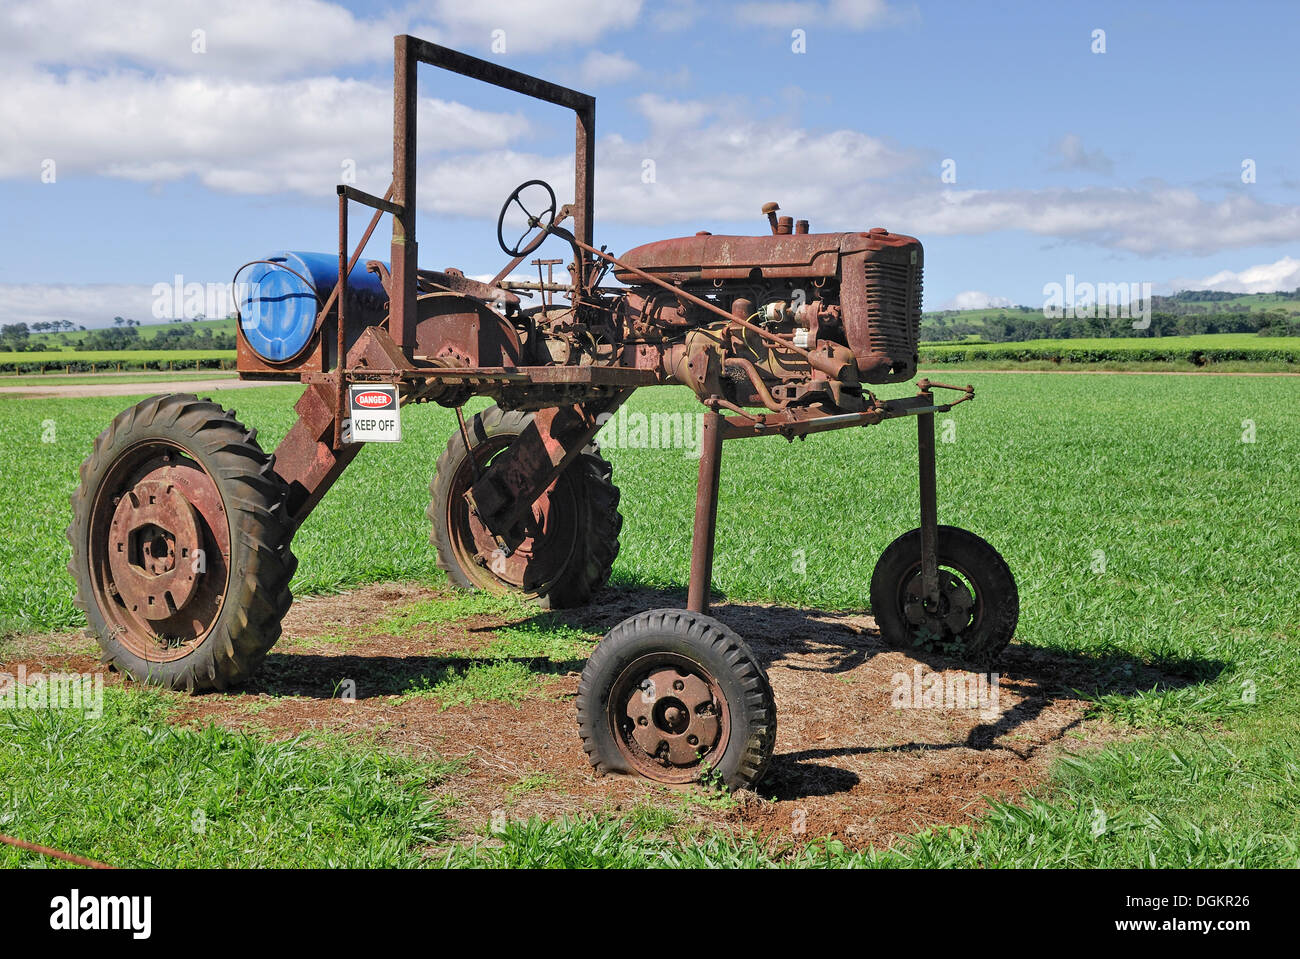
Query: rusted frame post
point(341, 287)
point(504, 494)
point(929, 506)
point(706, 513)
point(584, 187)
point(403, 255)
point(408, 53)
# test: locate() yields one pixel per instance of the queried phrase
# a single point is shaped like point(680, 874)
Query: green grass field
point(1140, 526)
point(115, 360)
point(1230, 351)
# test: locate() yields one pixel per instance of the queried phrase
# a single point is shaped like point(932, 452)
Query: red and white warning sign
point(376, 416)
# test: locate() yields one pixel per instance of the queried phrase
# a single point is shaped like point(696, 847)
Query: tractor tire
point(180, 548)
point(561, 566)
point(979, 608)
point(630, 716)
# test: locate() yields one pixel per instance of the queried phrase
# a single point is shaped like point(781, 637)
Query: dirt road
point(67, 390)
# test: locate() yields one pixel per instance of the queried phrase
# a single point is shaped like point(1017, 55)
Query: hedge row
point(1163, 354)
point(125, 364)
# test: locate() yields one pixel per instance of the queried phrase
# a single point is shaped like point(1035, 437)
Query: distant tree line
point(124, 334)
point(1183, 314)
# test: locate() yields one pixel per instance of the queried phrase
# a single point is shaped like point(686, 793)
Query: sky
point(1021, 142)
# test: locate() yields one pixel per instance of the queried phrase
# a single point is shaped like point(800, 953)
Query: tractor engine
point(845, 306)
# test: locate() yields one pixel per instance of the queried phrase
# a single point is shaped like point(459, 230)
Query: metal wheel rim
point(948, 583)
point(166, 639)
point(629, 685)
point(538, 560)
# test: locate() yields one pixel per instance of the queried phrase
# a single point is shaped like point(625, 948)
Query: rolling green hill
point(1187, 313)
point(146, 331)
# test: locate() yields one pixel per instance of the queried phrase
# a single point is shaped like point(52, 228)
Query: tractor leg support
point(311, 456)
point(706, 514)
point(503, 496)
point(929, 508)
point(307, 459)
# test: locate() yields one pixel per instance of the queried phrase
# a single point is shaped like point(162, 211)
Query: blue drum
point(280, 299)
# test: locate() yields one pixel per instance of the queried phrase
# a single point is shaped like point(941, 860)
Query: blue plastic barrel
point(278, 308)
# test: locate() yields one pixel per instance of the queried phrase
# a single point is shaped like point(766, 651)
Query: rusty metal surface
point(669, 717)
point(160, 548)
point(726, 257)
point(541, 543)
point(706, 513)
point(154, 543)
point(509, 488)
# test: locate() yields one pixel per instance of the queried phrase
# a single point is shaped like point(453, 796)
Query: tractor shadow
point(802, 645)
point(806, 651)
point(360, 677)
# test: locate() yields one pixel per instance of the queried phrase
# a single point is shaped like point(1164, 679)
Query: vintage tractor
point(183, 524)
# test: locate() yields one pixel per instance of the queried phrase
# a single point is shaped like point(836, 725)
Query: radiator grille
point(894, 309)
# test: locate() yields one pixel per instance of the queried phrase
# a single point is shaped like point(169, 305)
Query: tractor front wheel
point(568, 543)
point(180, 549)
point(978, 606)
point(677, 697)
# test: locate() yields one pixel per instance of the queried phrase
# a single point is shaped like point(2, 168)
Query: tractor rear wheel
point(677, 697)
point(569, 542)
point(180, 549)
point(978, 605)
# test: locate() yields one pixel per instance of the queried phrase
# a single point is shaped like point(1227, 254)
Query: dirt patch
point(850, 761)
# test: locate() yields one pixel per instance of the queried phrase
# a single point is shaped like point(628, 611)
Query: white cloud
point(89, 305)
point(537, 26)
point(256, 38)
point(234, 136)
point(975, 300)
point(242, 37)
point(713, 162)
point(1074, 157)
point(850, 14)
point(602, 69)
point(1284, 275)
point(1150, 220)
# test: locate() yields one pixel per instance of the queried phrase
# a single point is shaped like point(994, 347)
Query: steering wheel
point(544, 220)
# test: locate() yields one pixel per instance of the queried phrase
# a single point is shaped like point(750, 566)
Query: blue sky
point(1122, 166)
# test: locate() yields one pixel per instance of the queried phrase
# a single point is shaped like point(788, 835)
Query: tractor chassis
point(672, 694)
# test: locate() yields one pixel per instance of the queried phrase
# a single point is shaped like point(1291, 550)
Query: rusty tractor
point(183, 525)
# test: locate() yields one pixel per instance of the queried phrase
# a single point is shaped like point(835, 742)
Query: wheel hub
point(950, 614)
point(674, 717)
point(154, 543)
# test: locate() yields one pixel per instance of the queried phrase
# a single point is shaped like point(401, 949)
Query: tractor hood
point(778, 256)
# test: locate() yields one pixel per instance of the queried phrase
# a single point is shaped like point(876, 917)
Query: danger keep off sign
point(376, 417)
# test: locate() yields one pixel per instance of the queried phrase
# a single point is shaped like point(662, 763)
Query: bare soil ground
point(848, 762)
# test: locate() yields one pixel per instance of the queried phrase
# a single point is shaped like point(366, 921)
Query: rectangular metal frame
point(408, 53)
